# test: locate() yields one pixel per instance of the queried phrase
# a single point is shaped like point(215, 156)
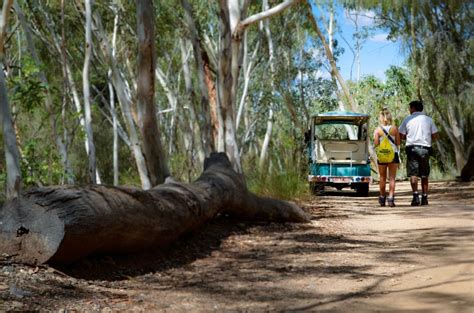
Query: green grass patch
point(286, 184)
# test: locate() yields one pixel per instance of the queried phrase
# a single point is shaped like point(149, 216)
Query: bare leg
point(383, 178)
point(414, 183)
point(424, 185)
point(392, 173)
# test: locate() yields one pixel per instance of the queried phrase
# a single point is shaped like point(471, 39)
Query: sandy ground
point(353, 257)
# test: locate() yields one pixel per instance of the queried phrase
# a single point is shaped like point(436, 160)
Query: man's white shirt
point(418, 128)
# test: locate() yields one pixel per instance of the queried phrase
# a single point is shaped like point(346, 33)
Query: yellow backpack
point(385, 151)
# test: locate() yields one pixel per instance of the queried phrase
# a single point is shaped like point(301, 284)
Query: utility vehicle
point(339, 152)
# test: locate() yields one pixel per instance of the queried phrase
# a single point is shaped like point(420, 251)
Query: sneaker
point(416, 200)
point(382, 200)
point(391, 202)
point(424, 200)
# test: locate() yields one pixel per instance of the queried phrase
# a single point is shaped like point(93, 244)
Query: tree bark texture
point(152, 147)
point(115, 146)
point(62, 224)
point(227, 55)
point(270, 120)
point(208, 99)
point(12, 154)
point(94, 178)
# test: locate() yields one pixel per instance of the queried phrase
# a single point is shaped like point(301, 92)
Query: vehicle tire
point(362, 189)
point(316, 188)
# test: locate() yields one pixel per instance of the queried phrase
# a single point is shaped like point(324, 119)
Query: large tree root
point(65, 223)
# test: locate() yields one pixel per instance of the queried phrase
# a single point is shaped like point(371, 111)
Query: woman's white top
point(387, 129)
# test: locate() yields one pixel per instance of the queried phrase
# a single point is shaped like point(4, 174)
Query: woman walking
point(386, 129)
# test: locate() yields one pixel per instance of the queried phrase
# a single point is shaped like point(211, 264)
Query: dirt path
point(353, 257)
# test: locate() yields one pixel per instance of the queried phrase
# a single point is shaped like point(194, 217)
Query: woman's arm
point(376, 137)
point(396, 134)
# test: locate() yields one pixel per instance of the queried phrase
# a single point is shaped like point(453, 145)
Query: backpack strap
point(388, 136)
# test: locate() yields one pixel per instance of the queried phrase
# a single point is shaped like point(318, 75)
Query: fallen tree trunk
point(65, 223)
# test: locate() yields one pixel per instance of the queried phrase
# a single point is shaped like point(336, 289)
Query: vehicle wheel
point(362, 189)
point(316, 188)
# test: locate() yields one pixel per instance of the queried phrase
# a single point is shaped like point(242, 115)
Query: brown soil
point(354, 257)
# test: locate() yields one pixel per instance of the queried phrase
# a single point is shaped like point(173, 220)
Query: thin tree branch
point(263, 15)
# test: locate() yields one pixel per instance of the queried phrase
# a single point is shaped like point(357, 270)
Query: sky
point(377, 52)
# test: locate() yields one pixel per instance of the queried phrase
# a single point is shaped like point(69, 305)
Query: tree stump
point(62, 224)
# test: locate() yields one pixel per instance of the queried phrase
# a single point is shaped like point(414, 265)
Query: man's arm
point(402, 130)
point(434, 131)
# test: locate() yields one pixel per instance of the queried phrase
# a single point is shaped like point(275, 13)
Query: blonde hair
point(385, 117)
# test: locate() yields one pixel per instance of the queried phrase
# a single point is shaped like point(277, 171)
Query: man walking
point(419, 131)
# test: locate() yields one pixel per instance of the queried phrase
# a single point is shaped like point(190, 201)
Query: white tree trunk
point(231, 30)
point(247, 66)
point(271, 61)
point(70, 81)
point(115, 146)
point(12, 155)
point(123, 93)
point(266, 140)
point(452, 128)
point(358, 45)
point(330, 30)
point(86, 93)
point(228, 54)
point(124, 97)
point(172, 97)
point(76, 99)
point(188, 111)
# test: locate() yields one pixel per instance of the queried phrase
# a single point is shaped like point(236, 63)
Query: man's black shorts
point(418, 161)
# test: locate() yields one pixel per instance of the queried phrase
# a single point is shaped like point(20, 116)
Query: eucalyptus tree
point(86, 92)
point(271, 62)
point(148, 123)
point(206, 99)
point(232, 23)
point(360, 35)
point(124, 95)
point(49, 34)
point(113, 111)
point(12, 155)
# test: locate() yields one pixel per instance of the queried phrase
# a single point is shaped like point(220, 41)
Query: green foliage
point(284, 175)
point(26, 90)
point(40, 165)
point(184, 167)
point(288, 183)
point(439, 65)
point(395, 93)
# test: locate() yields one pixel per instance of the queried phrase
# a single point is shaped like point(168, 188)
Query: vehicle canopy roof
point(340, 117)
